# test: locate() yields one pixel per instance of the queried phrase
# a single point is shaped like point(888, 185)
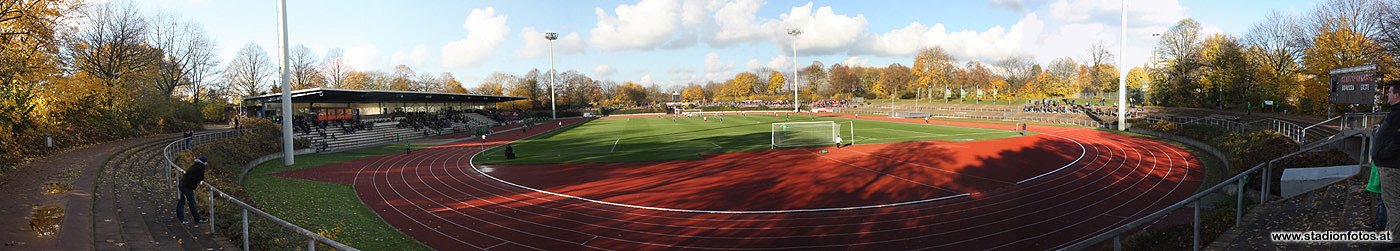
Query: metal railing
point(1362, 120)
point(1288, 129)
point(184, 144)
point(1116, 234)
point(1304, 137)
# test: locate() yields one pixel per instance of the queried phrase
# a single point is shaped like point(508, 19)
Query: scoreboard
point(1354, 85)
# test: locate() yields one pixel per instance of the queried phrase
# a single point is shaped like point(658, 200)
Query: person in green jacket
point(1374, 185)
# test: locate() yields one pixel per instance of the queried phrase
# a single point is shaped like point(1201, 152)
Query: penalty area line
point(614, 148)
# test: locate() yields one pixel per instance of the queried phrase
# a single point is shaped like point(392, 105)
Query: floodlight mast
point(553, 112)
point(794, 32)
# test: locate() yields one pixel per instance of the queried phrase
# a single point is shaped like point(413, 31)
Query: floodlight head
point(551, 35)
point(794, 31)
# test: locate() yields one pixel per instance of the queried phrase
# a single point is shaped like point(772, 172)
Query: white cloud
point(737, 22)
point(646, 25)
point(715, 69)
point(364, 57)
point(537, 46)
point(485, 32)
point(603, 71)
point(415, 57)
point(1073, 25)
point(646, 80)
point(855, 61)
point(753, 65)
point(836, 34)
point(780, 62)
point(988, 45)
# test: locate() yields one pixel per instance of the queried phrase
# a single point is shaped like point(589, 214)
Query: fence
point(1116, 234)
point(183, 144)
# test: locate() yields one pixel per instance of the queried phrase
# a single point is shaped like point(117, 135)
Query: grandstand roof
point(329, 95)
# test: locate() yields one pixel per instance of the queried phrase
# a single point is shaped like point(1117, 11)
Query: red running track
point(439, 198)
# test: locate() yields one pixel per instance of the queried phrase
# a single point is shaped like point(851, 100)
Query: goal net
point(691, 111)
point(792, 134)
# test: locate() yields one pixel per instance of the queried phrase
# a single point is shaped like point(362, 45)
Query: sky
point(675, 42)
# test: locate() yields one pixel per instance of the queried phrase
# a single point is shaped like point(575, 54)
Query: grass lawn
point(659, 139)
point(326, 207)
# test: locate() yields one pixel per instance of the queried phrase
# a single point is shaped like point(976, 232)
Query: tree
point(775, 83)
point(111, 45)
point(494, 83)
point(1017, 70)
point(402, 80)
point(741, 86)
point(1389, 35)
point(1226, 73)
point(451, 85)
point(356, 80)
point(842, 81)
point(1099, 80)
point(305, 73)
point(250, 72)
point(693, 93)
point(900, 78)
point(188, 54)
point(1332, 50)
point(30, 55)
point(816, 78)
point(933, 67)
point(631, 94)
point(336, 68)
point(1178, 51)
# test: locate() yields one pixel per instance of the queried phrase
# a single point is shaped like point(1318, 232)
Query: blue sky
point(673, 42)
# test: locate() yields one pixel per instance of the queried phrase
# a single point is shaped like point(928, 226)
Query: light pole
point(794, 32)
point(288, 159)
point(553, 113)
point(1123, 75)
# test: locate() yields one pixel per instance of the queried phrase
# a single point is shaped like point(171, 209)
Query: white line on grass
point(614, 148)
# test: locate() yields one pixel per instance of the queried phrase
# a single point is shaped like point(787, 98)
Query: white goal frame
point(777, 142)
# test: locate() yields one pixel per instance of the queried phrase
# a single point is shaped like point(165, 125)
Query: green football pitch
point(660, 139)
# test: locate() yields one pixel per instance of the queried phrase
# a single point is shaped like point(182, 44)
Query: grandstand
point(339, 119)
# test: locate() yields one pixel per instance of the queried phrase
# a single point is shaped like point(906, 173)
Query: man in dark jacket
point(188, 183)
point(1385, 154)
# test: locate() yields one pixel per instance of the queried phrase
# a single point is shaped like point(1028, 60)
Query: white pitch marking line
point(614, 148)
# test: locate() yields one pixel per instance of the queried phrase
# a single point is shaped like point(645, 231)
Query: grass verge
point(327, 208)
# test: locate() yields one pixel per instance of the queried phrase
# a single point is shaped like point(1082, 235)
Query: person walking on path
point(1385, 152)
point(188, 183)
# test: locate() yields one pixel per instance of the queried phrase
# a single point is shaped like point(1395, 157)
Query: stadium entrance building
point(341, 104)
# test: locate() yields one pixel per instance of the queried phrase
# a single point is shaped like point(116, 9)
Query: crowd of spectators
point(831, 103)
point(1072, 106)
point(305, 124)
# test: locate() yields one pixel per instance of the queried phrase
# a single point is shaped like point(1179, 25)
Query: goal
point(691, 111)
point(794, 134)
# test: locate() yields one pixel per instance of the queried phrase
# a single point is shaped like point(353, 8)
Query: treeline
point(86, 73)
point(1284, 58)
point(934, 73)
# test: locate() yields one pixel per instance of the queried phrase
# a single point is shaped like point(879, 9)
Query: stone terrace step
point(135, 208)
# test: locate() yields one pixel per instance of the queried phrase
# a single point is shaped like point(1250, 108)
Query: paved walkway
point(25, 191)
